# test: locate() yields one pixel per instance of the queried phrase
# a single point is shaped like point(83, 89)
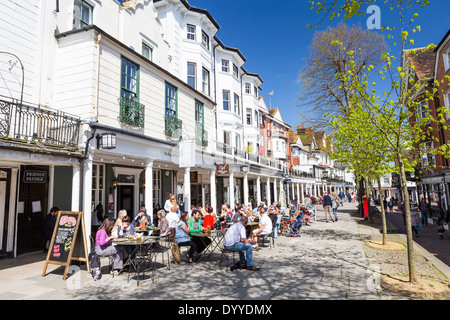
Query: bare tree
point(321, 89)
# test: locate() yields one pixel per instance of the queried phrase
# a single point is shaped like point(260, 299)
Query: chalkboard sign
point(68, 241)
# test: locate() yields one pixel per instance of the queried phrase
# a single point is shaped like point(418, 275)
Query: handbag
point(176, 252)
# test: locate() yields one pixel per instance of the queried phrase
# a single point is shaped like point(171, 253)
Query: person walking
point(327, 205)
point(415, 224)
point(424, 212)
point(49, 226)
point(342, 197)
point(335, 203)
point(391, 205)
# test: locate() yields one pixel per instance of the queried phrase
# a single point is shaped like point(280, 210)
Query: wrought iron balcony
point(201, 135)
point(173, 127)
point(48, 127)
point(131, 112)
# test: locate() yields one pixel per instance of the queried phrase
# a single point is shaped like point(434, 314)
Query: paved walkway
point(428, 237)
point(326, 262)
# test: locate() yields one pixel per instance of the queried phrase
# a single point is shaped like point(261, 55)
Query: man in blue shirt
point(235, 240)
point(327, 204)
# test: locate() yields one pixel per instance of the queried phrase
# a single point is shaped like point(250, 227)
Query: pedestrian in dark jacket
point(327, 204)
point(49, 226)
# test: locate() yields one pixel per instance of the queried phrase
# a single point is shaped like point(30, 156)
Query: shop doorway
point(32, 208)
point(5, 185)
point(125, 195)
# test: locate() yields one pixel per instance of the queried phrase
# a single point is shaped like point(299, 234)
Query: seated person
point(172, 217)
point(208, 220)
point(306, 216)
point(264, 229)
point(104, 247)
point(126, 230)
point(235, 240)
point(182, 235)
point(163, 224)
point(142, 219)
point(195, 225)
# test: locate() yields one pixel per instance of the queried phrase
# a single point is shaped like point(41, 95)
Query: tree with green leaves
point(391, 112)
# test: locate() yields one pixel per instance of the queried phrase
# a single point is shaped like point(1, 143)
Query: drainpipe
point(215, 90)
point(95, 107)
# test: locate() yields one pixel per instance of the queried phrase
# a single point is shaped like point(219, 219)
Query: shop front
point(28, 190)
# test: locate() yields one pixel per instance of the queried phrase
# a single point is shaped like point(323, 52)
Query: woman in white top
point(265, 227)
point(170, 202)
point(172, 217)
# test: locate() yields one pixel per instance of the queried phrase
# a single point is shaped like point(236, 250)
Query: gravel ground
point(393, 262)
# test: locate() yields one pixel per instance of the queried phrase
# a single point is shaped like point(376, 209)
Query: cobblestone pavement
point(326, 262)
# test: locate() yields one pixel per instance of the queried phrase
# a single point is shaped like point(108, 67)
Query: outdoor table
point(130, 242)
point(216, 237)
point(250, 227)
point(146, 230)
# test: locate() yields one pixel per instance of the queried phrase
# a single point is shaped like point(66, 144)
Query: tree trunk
point(360, 193)
point(383, 213)
point(366, 179)
point(407, 211)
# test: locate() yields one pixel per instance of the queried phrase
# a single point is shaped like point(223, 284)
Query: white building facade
point(122, 103)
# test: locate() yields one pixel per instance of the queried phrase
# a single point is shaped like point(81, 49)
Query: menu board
point(68, 241)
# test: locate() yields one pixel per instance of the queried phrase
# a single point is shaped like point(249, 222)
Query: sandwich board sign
point(68, 241)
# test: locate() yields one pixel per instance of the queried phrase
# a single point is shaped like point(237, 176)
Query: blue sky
point(272, 35)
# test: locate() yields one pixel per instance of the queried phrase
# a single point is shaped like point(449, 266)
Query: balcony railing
point(173, 127)
point(49, 127)
point(232, 151)
point(302, 174)
point(278, 134)
point(132, 112)
point(201, 135)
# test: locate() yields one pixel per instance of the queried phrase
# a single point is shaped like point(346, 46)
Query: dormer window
point(225, 66)
point(248, 88)
point(82, 14)
point(205, 40)
point(190, 32)
point(235, 71)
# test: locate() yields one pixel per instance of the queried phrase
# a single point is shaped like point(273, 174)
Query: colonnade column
point(231, 188)
point(75, 206)
point(269, 200)
point(246, 189)
point(213, 190)
point(275, 193)
point(302, 194)
point(148, 191)
point(258, 191)
point(187, 190)
point(282, 191)
point(87, 192)
point(293, 193)
point(51, 185)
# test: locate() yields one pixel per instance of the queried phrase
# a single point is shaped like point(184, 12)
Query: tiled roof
point(423, 60)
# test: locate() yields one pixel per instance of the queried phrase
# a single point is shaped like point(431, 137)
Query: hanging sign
point(222, 169)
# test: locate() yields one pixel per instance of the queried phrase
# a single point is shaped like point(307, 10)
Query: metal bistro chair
point(163, 248)
point(110, 258)
point(269, 236)
point(143, 256)
point(225, 256)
